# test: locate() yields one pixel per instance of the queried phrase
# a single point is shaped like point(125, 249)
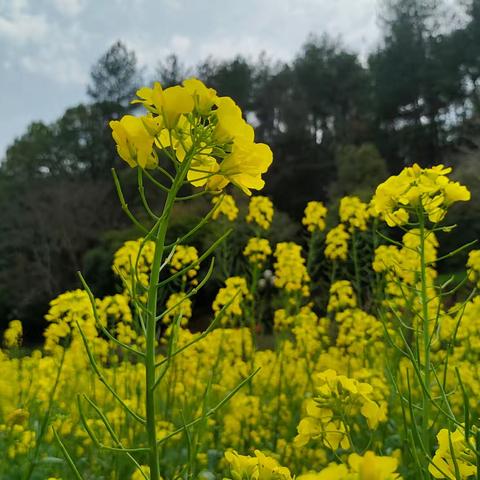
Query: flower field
point(344, 355)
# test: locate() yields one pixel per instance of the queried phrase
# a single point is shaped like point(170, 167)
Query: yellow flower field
point(342, 356)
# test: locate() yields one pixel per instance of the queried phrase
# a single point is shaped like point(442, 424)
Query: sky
point(47, 47)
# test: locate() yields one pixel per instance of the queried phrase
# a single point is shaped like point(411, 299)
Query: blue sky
point(48, 46)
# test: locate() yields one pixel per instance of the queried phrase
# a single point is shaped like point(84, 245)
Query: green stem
point(152, 297)
point(311, 253)
point(356, 268)
point(426, 340)
point(46, 419)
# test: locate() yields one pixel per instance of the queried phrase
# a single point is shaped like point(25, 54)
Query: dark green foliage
point(170, 71)
point(115, 77)
point(359, 171)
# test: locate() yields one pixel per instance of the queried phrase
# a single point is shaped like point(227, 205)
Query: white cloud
point(69, 8)
point(43, 43)
point(250, 46)
point(20, 27)
point(50, 45)
point(180, 44)
point(60, 68)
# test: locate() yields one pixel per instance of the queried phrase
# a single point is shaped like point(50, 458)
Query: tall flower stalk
point(205, 142)
point(417, 201)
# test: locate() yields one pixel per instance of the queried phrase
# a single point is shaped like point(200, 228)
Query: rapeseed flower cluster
point(415, 190)
point(178, 306)
point(338, 398)
point(454, 458)
point(231, 296)
point(359, 467)
point(336, 243)
point(226, 207)
point(400, 265)
point(184, 256)
point(341, 296)
point(314, 217)
point(134, 255)
point(290, 270)
point(354, 213)
point(12, 336)
point(190, 122)
point(260, 467)
point(359, 333)
point(257, 251)
point(260, 212)
point(473, 265)
point(65, 312)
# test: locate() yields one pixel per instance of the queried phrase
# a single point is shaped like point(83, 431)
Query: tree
point(47, 226)
point(115, 77)
point(416, 80)
point(170, 71)
point(359, 170)
point(232, 78)
point(270, 82)
point(78, 143)
point(31, 155)
point(335, 88)
point(467, 41)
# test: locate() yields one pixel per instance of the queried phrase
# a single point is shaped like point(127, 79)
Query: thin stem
point(426, 338)
point(67, 456)
point(46, 418)
point(124, 204)
point(356, 267)
point(152, 297)
point(141, 191)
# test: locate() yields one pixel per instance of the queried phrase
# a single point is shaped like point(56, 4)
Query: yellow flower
point(373, 413)
point(234, 292)
point(337, 397)
point(12, 337)
point(290, 269)
point(203, 96)
point(319, 423)
point(260, 467)
point(64, 313)
point(257, 250)
point(192, 122)
point(178, 305)
point(138, 475)
point(332, 472)
point(169, 104)
point(243, 167)
point(134, 142)
point(473, 265)
point(336, 243)
point(372, 467)
point(269, 469)
point(202, 172)
point(453, 452)
point(396, 217)
point(314, 216)
point(341, 296)
point(260, 211)
point(134, 254)
point(354, 212)
point(230, 123)
point(227, 207)
point(454, 192)
point(427, 188)
point(242, 467)
point(184, 256)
